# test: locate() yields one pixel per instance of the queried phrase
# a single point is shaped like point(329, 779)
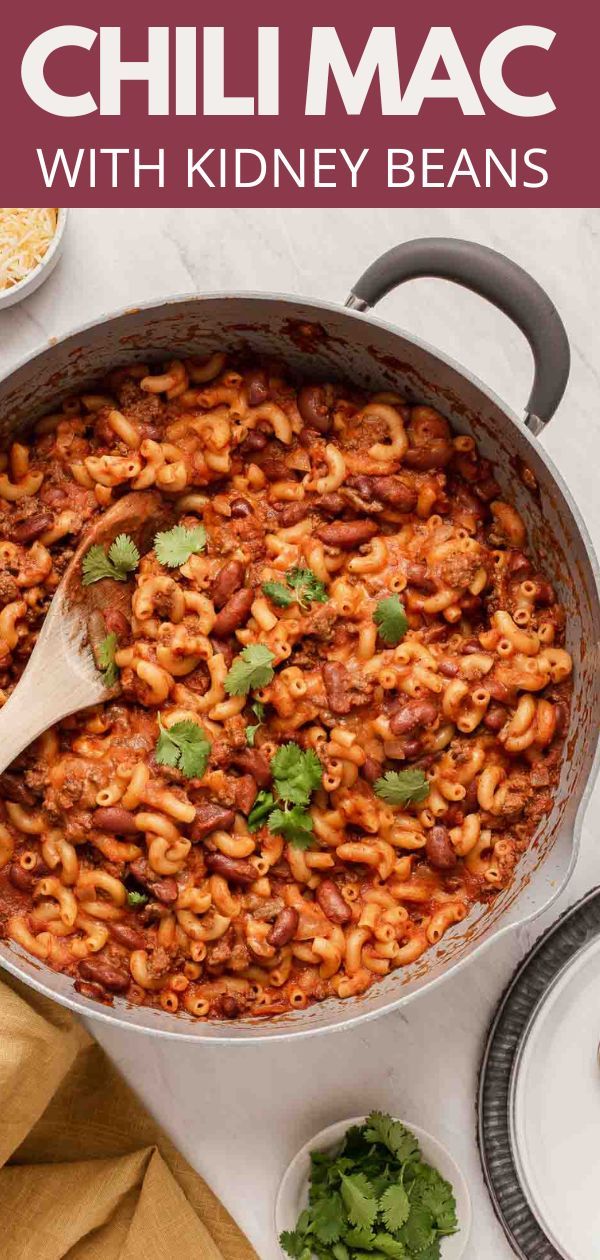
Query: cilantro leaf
point(361, 1236)
point(328, 1219)
point(173, 547)
point(252, 668)
point(391, 620)
point(123, 558)
point(308, 587)
point(260, 810)
point(258, 710)
point(105, 656)
point(279, 594)
point(357, 1194)
point(418, 1232)
point(295, 825)
point(431, 1252)
point(135, 899)
point(385, 1245)
point(402, 787)
point(435, 1194)
point(293, 1243)
point(183, 745)
point(296, 772)
point(391, 1133)
point(395, 1207)
point(124, 554)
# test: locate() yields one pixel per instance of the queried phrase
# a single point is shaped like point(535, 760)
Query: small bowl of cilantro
point(372, 1189)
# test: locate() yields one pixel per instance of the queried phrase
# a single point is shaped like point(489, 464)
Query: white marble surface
point(239, 1114)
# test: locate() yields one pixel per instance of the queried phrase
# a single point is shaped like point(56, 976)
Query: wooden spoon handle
point(60, 678)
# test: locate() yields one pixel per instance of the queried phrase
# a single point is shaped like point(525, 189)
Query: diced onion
point(25, 236)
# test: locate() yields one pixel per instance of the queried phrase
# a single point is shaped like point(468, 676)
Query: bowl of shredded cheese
point(30, 245)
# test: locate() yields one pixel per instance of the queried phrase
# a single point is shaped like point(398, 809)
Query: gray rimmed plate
point(539, 1094)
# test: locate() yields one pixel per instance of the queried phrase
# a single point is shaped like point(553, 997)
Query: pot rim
point(271, 1031)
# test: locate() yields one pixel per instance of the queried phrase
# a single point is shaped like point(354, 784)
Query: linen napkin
point(85, 1173)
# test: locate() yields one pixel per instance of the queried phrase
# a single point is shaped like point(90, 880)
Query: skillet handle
point(502, 282)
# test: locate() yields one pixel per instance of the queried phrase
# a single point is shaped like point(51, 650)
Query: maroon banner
point(233, 104)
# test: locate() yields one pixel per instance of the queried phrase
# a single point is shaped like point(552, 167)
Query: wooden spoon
point(61, 676)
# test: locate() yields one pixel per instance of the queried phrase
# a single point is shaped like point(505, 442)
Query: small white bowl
point(37, 276)
point(292, 1196)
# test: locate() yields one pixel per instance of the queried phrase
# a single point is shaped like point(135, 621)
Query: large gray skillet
point(320, 340)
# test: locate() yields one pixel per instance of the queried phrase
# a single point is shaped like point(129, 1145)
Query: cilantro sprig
point(377, 1197)
point(258, 710)
point(105, 657)
point(391, 620)
point(184, 746)
point(121, 559)
point(173, 547)
point(297, 773)
point(137, 899)
point(252, 668)
point(402, 787)
point(303, 588)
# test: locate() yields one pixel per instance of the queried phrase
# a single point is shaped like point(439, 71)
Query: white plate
point(555, 1109)
point(292, 1197)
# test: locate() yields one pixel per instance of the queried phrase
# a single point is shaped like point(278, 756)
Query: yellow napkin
point(85, 1173)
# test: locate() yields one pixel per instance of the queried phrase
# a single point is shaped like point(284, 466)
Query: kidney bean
point(331, 504)
point(495, 717)
point(23, 880)
point(32, 527)
point(436, 454)
point(390, 490)
point(228, 580)
point(371, 769)
point(335, 678)
point(210, 817)
point(274, 469)
point(284, 928)
point(256, 440)
point(116, 623)
point(240, 508)
point(93, 991)
point(254, 762)
point(257, 387)
point(312, 405)
point(347, 534)
point(416, 575)
point(12, 788)
point(332, 903)
point(562, 717)
point(116, 819)
point(415, 713)
point(165, 890)
point(127, 936)
point(292, 514)
point(246, 791)
point(470, 803)
point(101, 972)
point(439, 849)
point(234, 613)
point(235, 869)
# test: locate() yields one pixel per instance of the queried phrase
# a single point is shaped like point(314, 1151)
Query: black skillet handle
point(500, 281)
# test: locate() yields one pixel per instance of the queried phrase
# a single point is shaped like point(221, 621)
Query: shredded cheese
point(25, 236)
